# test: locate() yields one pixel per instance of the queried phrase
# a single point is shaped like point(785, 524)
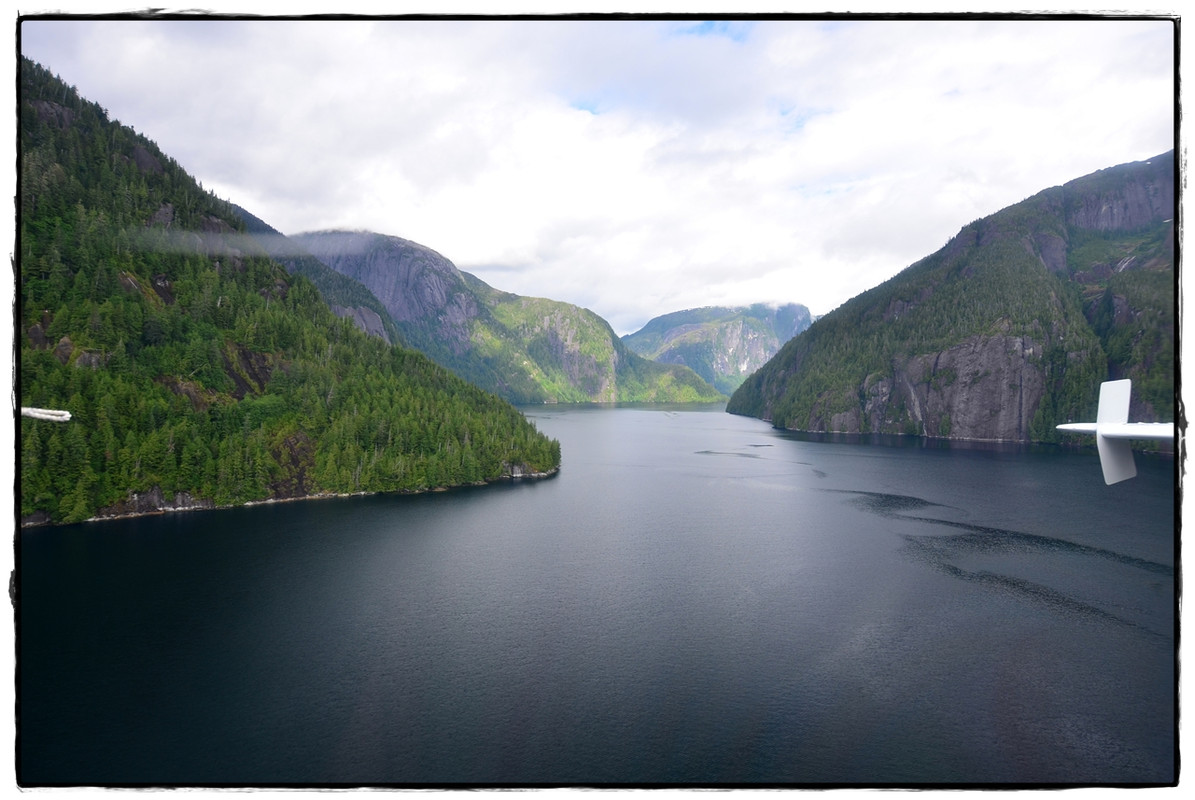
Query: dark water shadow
point(938, 552)
point(725, 453)
point(985, 539)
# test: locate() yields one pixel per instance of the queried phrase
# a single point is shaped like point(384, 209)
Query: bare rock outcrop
point(147, 161)
point(1130, 206)
point(152, 502)
point(54, 114)
point(417, 285)
point(364, 318)
point(985, 388)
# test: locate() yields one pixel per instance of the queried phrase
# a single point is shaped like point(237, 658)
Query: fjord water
point(695, 599)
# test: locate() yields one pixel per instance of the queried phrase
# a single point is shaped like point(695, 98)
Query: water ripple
point(724, 453)
point(1028, 590)
point(983, 538)
point(938, 552)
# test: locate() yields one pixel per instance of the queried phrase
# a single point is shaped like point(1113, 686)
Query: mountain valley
point(721, 344)
point(527, 350)
point(208, 360)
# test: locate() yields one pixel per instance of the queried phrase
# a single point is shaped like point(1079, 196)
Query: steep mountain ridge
point(722, 344)
point(348, 298)
point(199, 373)
point(422, 290)
point(1004, 332)
point(528, 350)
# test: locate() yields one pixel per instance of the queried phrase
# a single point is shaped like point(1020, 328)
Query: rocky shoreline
point(154, 501)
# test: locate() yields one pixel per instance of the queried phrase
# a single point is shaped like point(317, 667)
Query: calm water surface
point(695, 599)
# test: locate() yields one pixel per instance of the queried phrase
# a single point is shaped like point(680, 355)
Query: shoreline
point(25, 523)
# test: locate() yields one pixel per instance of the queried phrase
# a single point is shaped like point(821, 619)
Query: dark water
point(695, 599)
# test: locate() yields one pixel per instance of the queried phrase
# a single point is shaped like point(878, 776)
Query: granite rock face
point(985, 388)
point(154, 501)
point(525, 349)
point(722, 344)
point(346, 297)
point(420, 288)
point(364, 318)
point(1126, 205)
point(570, 342)
point(1004, 332)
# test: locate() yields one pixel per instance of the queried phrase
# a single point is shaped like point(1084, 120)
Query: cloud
point(636, 167)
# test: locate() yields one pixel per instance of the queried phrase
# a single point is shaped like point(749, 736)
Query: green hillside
point(345, 296)
point(527, 350)
point(194, 366)
point(721, 344)
point(573, 355)
point(1004, 332)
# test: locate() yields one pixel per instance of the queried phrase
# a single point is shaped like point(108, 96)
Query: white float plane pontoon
point(1113, 431)
point(48, 414)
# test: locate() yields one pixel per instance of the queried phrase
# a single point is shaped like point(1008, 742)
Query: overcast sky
point(635, 167)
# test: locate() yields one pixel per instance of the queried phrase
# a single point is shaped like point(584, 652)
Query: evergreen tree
point(192, 367)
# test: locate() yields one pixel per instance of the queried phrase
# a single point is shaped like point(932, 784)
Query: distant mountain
point(1006, 331)
point(197, 371)
point(346, 297)
point(528, 350)
point(721, 344)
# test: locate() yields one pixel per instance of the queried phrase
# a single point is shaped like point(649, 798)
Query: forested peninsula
point(197, 371)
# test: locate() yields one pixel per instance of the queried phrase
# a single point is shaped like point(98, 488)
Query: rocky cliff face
point(1006, 331)
point(985, 388)
point(152, 502)
point(721, 344)
point(420, 288)
point(366, 319)
point(571, 347)
point(528, 350)
point(1128, 197)
point(346, 297)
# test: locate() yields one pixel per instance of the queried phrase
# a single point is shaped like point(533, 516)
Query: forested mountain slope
point(198, 372)
point(1006, 331)
point(721, 344)
point(528, 350)
point(574, 355)
point(346, 297)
